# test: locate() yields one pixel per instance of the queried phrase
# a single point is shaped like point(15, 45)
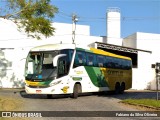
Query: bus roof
point(51, 47)
point(102, 52)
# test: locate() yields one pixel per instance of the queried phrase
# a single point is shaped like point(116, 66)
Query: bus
point(67, 69)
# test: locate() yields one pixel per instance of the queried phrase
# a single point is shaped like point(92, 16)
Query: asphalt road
point(88, 102)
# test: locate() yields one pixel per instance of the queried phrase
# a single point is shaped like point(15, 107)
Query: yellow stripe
point(102, 52)
point(32, 83)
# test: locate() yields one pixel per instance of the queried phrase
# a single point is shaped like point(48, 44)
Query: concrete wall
point(130, 41)
point(66, 29)
point(115, 41)
point(149, 41)
point(144, 75)
point(15, 45)
point(12, 65)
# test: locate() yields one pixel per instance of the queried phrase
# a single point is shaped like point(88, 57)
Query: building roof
point(120, 48)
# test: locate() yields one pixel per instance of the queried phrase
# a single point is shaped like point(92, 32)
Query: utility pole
point(157, 78)
point(74, 20)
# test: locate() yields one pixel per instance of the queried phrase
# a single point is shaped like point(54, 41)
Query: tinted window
point(117, 63)
point(80, 59)
point(68, 58)
point(111, 62)
point(128, 64)
point(91, 60)
point(100, 60)
point(95, 60)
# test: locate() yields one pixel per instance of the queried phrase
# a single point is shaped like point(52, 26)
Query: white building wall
point(66, 29)
point(150, 41)
point(130, 41)
point(114, 41)
point(144, 75)
point(12, 66)
point(15, 45)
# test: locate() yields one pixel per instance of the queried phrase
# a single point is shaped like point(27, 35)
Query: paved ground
point(94, 102)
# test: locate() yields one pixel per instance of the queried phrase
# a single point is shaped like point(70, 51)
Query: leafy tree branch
point(34, 16)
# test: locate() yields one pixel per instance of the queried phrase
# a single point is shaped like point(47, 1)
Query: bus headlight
point(26, 83)
point(55, 83)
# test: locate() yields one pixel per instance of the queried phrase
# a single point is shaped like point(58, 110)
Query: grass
point(145, 102)
point(10, 103)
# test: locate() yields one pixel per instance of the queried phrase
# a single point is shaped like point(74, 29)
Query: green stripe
point(96, 76)
point(45, 83)
point(77, 78)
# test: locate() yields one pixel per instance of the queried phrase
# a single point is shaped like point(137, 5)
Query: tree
point(34, 16)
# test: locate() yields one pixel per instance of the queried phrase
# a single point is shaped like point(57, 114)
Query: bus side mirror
point(55, 59)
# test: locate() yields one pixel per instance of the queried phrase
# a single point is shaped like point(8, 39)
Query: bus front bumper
point(48, 90)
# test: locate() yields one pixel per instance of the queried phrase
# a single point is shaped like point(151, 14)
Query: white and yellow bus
point(65, 69)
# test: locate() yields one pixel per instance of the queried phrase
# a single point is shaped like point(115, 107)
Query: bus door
point(62, 66)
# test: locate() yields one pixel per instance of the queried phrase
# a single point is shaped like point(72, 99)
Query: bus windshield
point(39, 65)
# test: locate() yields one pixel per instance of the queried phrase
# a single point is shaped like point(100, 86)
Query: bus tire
point(122, 88)
point(117, 88)
point(76, 90)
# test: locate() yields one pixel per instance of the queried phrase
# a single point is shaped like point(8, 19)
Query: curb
point(141, 105)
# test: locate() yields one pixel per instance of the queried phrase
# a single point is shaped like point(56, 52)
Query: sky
point(136, 15)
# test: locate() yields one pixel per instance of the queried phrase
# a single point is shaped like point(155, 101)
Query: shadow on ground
point(132, 94)
point(42, 96)
point(126, 95)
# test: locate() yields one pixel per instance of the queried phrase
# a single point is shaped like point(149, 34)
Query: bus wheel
point(117, 88)
point(122, 88)
point(49, 96)
point(76, 90)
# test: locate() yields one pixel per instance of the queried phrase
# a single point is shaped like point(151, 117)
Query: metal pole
point(74, 20)
point(157, 84)
point(157, 78)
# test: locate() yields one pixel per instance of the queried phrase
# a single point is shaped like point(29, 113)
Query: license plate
point(38, 91)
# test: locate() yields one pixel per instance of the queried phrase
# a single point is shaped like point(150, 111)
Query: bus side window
point(123, 64)
point(120, 63)
point(70, 55)
point(80, 59)
point(117, 63)
point(108, 62)
point(128, 64)
point(90, 59)
point(100, 60)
